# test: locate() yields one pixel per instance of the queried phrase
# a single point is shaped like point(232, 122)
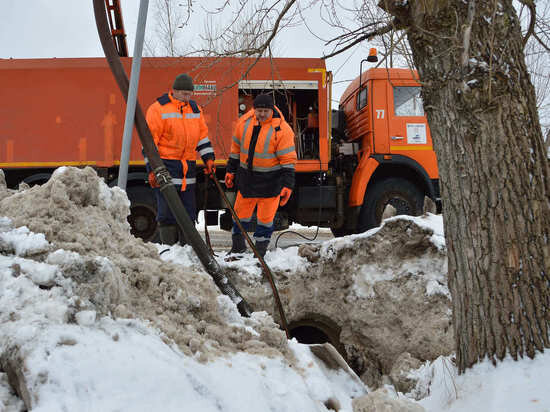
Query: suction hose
point(161, 173)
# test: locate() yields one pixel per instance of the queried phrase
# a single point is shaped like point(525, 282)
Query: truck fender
point(413, 165)
point(365, 169)
point(368, 166)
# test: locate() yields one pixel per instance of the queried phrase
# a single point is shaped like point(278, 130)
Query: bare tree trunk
point(493, 169)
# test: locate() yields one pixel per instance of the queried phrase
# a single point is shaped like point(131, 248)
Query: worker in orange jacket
point(262, 158)
point(179, 131)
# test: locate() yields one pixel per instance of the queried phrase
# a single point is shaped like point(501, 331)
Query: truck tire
point(37, 179)
point(402, 194)
point(143, 213)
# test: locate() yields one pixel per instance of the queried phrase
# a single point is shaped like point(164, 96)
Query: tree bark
point(494, 172)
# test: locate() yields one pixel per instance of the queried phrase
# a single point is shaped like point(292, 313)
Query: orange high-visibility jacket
point(179, 131)
point(262, 155)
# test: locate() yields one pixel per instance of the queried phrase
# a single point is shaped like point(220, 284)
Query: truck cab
point(381, 126)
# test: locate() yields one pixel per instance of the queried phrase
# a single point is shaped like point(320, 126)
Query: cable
point(318, 215)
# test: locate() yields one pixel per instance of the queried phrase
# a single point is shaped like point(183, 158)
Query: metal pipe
point(132, 95)
point(161, 173)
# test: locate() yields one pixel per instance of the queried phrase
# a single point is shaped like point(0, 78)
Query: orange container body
point(59, 112)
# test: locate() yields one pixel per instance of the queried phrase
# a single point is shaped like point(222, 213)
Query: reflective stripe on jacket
point(262, 155)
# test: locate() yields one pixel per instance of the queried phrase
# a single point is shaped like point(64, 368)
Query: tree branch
point(467, 33)
point(531, 30)
point(261, 49)
point(382, 30)
point(535, 35)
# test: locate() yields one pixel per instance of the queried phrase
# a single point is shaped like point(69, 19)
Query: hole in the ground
point(314, 328)
point(318, 329)
point(309, 335)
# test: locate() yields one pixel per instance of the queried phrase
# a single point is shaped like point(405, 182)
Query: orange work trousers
point(265, 213)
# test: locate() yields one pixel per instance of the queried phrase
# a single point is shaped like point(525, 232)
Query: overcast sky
point(46, 28)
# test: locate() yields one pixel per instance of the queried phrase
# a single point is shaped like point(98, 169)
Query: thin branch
point(251, 51)
point(467, 33)
point(531, 30)
point(535, 35)
point(389, 52)
point(367, 36)
point(353, 34)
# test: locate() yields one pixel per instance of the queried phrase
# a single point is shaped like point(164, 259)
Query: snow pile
point(510, 386)
point(92, 319)
point(354, 290)
point(92, 316)
point(4, 191)
point(113, 273)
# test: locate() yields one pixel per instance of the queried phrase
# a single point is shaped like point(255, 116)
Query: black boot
point(238, 244)
point(261, 247)
point(168, 234)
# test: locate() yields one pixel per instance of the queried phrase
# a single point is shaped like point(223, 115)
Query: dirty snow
point(368, 275)
point(510, 386)
point(94, 314)
point(283, 260)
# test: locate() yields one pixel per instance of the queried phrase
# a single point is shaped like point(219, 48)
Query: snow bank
point(374, 295)
point(509, 386)
point(93, 319)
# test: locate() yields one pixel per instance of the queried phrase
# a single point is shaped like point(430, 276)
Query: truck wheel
point(400, 193)
point(143, 213)
point(37, 179)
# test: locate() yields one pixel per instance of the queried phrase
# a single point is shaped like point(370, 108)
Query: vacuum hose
point(161, 173)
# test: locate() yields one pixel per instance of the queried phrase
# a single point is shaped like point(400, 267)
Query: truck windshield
point(407, 101)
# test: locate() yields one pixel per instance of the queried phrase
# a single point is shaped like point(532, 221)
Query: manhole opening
point(314, 328)
point(309, 335)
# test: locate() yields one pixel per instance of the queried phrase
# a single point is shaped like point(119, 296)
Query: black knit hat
point(263, 101)
point(183, 82)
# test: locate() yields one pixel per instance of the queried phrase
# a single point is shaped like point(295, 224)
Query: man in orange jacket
point(262, 158)
point(179, 131)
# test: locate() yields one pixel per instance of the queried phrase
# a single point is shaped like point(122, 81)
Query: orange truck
point(376, 149)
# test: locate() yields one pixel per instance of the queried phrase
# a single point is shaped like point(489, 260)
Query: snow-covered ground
point(106, 364)
point(85, 362)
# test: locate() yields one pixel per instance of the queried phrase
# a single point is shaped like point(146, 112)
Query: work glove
point(285, 195)
point(229, 180)
point(209, 167)
point(153, 180)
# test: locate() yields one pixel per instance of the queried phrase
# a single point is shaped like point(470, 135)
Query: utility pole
point(132, 95)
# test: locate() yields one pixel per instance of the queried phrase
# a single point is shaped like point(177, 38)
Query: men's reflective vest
point(262, 155)
point(179, 131)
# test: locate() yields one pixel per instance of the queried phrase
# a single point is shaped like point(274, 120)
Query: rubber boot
point(238, 243)
point(168, 234)
point(261, 247)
